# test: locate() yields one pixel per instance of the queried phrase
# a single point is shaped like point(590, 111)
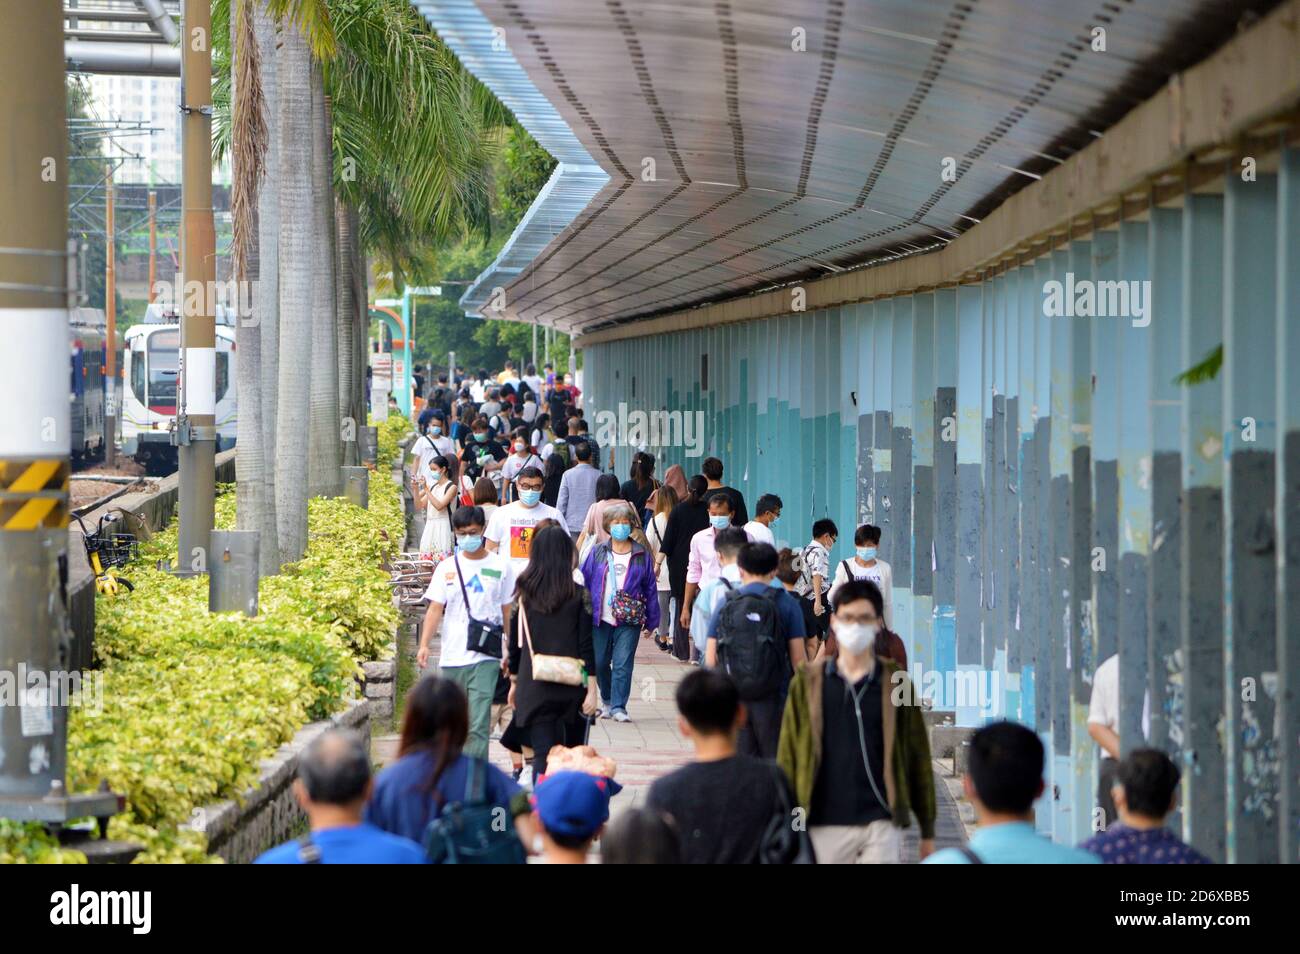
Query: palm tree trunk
point(325, 448)
point(266, 293)
point(346, 310)
point(297, 251)
point(246, 126)
point(361, 295)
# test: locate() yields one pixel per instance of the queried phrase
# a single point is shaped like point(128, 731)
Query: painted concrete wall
point(1049, 495)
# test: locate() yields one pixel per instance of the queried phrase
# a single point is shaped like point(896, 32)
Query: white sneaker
point(604, 713)
point(526, 777)
point(620, 715)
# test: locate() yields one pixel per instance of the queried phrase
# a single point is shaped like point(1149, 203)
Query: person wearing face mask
point(431, 442)
point(865, 565)
point(854, 743)
point(727, 544)
point(766, 512)
point(471, 584)
point(756, 636)
point(702, 565)
point(521, 455)
point(510, 531)
point(482, 455)
point(435, 494)
point(620, 578)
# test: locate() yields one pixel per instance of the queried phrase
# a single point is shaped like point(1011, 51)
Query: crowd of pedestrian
point(809, 744)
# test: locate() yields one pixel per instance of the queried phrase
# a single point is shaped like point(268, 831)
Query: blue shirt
point(1121, 845)
point(400, 803)
point(1014, 843)
point(791, 614)
point(351, 845)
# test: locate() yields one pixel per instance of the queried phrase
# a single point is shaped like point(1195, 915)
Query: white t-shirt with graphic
point(879, 573)
point(511, 529)
point(613, 584)
point(426, 448)
point(489, 583)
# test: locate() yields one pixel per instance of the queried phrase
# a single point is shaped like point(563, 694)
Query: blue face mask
point(529, 497)
point(620, 531)
point(866, 554)
point(719, 521)
point(435, 430)
point(480, 438)
point(470, 544)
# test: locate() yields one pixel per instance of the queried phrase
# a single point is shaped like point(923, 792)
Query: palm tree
point(345, 309)
point(296, 250)
point(266, 31)
point(324, 452)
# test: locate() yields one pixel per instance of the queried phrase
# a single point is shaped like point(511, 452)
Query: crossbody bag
point(481, 636)
point(564, 670)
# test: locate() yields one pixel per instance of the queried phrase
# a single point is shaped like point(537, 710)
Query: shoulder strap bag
point(564, 670)
point(480, 636)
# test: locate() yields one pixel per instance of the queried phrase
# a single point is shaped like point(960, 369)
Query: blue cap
point(572, 803)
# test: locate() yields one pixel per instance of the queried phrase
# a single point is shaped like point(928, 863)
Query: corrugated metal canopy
point(750, 145)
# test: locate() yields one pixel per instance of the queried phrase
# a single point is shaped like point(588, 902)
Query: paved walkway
point(651, 745)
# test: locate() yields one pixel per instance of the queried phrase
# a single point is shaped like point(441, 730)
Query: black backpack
point(752, 642)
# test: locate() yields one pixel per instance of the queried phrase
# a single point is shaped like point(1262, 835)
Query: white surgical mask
point(855, 637)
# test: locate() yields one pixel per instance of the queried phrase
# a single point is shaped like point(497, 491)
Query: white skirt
point(437, 536)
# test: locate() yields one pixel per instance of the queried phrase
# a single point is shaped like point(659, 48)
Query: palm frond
point(248, 134)
point(1206, 370)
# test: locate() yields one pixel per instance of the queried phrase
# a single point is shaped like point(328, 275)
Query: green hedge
point(193, 702)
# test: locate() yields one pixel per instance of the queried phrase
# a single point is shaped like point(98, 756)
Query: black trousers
point(762, 729)
point(1105, 779)
point(547, 732)
point(681, 635)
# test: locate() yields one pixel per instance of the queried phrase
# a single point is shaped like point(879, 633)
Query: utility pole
point(153, 242)
point(110, 331)
point(195, 432)
point(36, 287)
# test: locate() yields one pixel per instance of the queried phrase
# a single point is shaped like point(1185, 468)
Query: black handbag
point(481, 637)
point(783, 843)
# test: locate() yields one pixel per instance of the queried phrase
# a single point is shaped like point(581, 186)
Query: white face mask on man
point(855, 638)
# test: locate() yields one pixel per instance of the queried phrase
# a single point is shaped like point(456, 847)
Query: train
point(87, 397)
point(151, 371)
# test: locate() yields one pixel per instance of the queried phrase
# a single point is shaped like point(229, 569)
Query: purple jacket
point(640, 580)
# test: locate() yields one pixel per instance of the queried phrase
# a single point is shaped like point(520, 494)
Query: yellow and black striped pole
point(34, 410)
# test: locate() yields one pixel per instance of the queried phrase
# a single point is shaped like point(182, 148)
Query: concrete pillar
point(1104, 548)
point(233, 572)
point(1028, 305)
point(923, 473)
point(1201, 519)
point(1133, 528)
point(899, 551)
point(1164, 584)
point(945, 485)
point(970, 488)
point(1287, 505)
point(1061, 616)
point(1046, 623)
point(1083, 648)
point(1250, 540)
point(866, 415)
point(882, 379)
point(356, 486)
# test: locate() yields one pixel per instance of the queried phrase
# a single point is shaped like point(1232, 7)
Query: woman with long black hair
point(431, 770)
point(687, 519)
point(553, 620)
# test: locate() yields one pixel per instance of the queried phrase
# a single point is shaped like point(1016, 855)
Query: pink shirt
point(703, 564)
